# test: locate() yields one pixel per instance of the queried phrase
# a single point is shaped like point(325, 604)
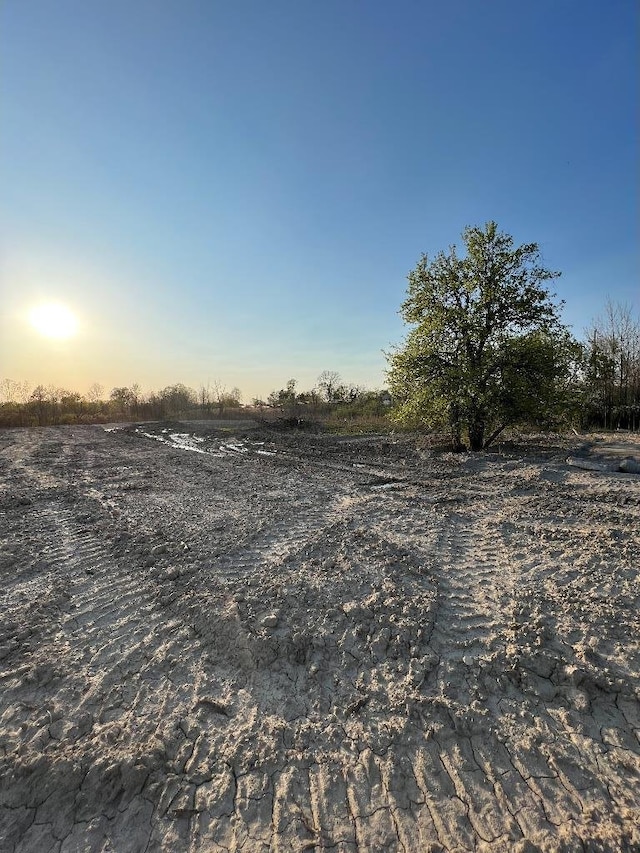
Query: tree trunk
point(456, 430)
point(458, 444)
point(494, 435)
point(476, 434)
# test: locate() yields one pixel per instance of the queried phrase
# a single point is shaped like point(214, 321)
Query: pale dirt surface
point(298, 643)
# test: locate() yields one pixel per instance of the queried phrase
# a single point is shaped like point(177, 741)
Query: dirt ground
point(225, 640)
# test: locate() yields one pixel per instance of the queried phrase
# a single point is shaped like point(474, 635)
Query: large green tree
point(487, 347)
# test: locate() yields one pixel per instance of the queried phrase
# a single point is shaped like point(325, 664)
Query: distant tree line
point(20, 405)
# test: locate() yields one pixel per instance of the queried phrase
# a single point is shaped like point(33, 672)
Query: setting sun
point(53, 320)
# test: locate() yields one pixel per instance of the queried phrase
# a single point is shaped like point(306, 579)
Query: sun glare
point(53, 320)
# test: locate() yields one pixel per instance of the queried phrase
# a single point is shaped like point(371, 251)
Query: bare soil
point(237, 639)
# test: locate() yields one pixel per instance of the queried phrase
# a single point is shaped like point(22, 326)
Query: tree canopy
point(487, 347)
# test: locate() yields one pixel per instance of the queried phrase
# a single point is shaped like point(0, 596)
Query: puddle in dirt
point(198, 444)
point(388, 484)
point(179, 440)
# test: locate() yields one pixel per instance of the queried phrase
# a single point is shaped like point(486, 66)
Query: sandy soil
point(253, 641)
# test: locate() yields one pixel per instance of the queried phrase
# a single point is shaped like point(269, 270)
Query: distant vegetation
point(335, 404)
point(486, 350)
point(43, 406)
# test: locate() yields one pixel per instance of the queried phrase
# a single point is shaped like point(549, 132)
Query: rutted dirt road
point(271, 642)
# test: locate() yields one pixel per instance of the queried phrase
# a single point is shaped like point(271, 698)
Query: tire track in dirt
point(579, 684)
point(475, 592)
point(285, 537)
point(484, 584)
point(152, 708)
point(475, 583)
point(82, 716)
point(93, 695)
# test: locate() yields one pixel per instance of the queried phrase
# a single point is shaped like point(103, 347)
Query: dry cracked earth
point(216, 640)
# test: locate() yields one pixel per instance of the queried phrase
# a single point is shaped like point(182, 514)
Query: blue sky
point(236, 190)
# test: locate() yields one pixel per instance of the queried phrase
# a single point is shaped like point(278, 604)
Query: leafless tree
point(329, 383)
point(613, 373)
point(204, 396)
point(13, 391)
point(95, 392)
